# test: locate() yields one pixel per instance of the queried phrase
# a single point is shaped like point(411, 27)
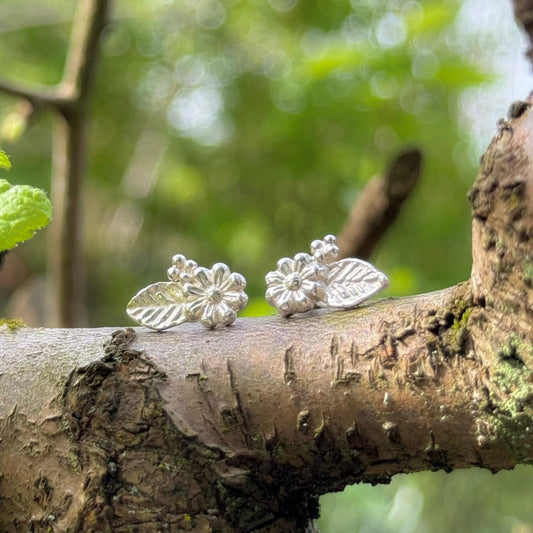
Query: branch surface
point(277, 410)
point(82, 57)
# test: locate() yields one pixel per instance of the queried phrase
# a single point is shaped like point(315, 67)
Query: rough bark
point(240, 429)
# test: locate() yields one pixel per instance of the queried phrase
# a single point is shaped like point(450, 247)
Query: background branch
point(66, 286)
point(379, 204)
point(37, 96)
point(523, 11)
point(70, 99)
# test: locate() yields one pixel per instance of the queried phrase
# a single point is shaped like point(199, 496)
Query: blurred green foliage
point(239, 131)
point(471, 500)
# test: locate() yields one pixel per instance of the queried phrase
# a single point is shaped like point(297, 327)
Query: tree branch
point(83, 52)
point(304, 406)
point(38, 96)
point(240, 428)
point(378, 205)
point(66, 294)
point(25, 14)
point(523, 11)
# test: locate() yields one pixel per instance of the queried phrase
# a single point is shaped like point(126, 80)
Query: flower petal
point(219, 271)
point(294, 302)
point(301, 302)
point(238, 280)
point(301, 261)
point(236, 300)
point(228, 317)
point(208, 318)
point(243, 301)
point(202, 275)
point(234, 282)
point(286, 297)
point(300, 297)
point(193, 290)
point(273, 294)
point(274, 277)
point(285, 309)
point(217, 314)
point(285, 265)
point(315, 290)
point(315, 271)
point(195, 309)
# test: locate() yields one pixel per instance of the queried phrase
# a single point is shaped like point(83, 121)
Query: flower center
point(215, 295)
point(293, 281)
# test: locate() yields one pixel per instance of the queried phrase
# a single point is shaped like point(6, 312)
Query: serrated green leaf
point(23, 211)
point(4, 160)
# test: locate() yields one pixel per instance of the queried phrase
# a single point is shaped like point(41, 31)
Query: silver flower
point(215, 294)
point(325, 251)
point(297, 284)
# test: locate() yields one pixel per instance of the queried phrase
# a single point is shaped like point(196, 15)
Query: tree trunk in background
point(242, 428)
point(70, 101)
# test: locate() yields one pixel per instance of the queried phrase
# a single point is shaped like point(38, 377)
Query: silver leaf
point(352, 281)
point(159, 306)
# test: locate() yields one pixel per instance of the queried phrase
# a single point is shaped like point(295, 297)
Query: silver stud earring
point(319, 280)
point(211, 296)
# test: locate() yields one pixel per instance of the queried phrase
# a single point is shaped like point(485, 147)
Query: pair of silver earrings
point(214, 296)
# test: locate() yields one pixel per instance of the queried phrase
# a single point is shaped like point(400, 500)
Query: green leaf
point(23, 211)
point(4, 161)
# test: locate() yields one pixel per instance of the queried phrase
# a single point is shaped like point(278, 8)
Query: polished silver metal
point(319, 280)
point(212, 296)
point(297, 285)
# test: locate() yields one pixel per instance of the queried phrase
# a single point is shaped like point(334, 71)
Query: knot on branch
point(134, 459)
point(127, 449)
